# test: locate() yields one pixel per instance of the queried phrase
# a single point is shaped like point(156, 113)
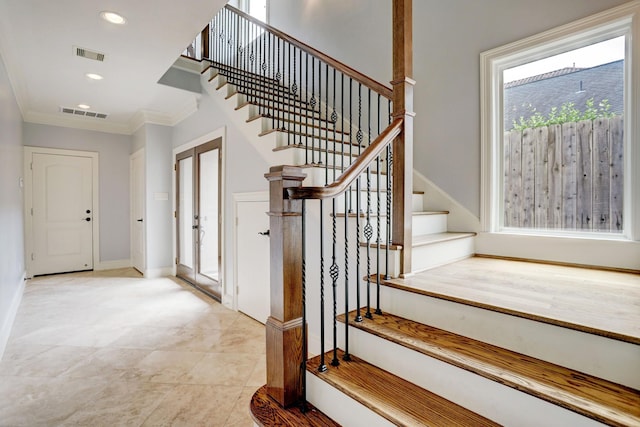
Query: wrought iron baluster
point(306, 121)
point(312, 102)
point(335, 273)
point(322, 367)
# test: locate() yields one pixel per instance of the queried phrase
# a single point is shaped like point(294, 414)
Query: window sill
point(606, 251)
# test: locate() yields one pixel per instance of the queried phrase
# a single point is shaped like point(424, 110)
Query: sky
point(586, 57)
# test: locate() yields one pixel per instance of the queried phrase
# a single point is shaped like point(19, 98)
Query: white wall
point(159, 193)
point(113, 151)
point(11, 207)
point(448, 39)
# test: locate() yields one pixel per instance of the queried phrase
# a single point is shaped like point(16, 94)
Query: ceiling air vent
point(89, 54)
point(77, 112)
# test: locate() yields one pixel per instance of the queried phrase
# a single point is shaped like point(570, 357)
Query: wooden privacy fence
point(567, 176)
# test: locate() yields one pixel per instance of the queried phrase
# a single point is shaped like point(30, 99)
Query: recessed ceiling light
point(94, 76)
point(113, 17)
point(84, 106)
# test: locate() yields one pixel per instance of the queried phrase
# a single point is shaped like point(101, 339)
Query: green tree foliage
point(567, 113)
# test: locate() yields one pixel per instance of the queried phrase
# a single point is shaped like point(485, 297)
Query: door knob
point(264, 233)
point(87, 219)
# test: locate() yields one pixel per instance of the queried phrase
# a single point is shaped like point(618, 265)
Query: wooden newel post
point(403, 145)
point(284, 325)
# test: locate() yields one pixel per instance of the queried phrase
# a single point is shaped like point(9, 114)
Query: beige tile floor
point(114, 349)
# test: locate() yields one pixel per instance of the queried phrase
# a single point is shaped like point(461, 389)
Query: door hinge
point(31, 165)
point(175, 214)
point(176, 260)
point(32, 257)
point(175, 166)
point(31, 211)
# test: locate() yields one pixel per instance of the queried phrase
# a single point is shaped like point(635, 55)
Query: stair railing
point(350, 129)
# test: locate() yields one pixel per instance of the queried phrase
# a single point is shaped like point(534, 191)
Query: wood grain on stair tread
point(267, 412)
point(397, 400)
point(590, 396)
point(604, 303)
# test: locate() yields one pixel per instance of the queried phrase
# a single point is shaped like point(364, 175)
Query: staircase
point(431, 356)
point(424, 352)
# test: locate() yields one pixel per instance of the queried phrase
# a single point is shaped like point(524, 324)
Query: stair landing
point(598, 302)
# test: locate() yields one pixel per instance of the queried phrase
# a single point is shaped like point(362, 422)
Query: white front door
point(252, 257)
point(137, 211)
point(62, 202)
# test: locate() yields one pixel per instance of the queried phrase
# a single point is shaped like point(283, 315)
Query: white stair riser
point(340, 407)
point(593, 354)
point(416, 199)
point(488, 398)
point(441, 253)
point(421, 224)
point(316, 177)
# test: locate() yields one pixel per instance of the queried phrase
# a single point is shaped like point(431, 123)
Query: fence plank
point(514, 197)
point(601, 171)
point(528, 178)
point(555, 176)
point(616, 132)
point(506, 183)
point(569, 176)
point(584, 207)
point(541, 178)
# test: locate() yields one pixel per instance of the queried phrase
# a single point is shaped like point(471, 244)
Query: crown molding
point(76, 122)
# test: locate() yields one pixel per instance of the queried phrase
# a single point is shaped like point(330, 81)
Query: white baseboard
point(112, 265)
point(7, 322)
point(154, 273)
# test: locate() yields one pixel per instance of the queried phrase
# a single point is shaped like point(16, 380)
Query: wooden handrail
point(354, 170)
point(377, 87)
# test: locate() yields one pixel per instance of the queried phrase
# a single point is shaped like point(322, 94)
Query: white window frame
point(622, 20)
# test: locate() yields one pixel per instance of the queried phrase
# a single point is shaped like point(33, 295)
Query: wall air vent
point(89, 54)
point(85, 113)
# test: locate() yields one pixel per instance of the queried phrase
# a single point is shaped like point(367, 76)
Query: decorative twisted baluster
point(334, 271)
point(322, 367)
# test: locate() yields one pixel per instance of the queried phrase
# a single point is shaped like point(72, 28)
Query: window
point(560, 131)
point(256, 8)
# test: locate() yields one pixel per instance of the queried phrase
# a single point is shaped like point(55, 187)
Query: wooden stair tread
point(593, 397)
point(568, 297)
point(399, 401)
point(267, 412)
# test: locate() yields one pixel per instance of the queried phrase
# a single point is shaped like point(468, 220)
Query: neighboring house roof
point(555, 88)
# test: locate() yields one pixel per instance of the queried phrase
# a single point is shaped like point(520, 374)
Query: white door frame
point(132, 157)
point(28, 202)
point(260, 196)
point(227, 291)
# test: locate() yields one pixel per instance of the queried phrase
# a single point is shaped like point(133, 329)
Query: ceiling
point(37, 39)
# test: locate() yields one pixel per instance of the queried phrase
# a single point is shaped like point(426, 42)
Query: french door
point(198, 217)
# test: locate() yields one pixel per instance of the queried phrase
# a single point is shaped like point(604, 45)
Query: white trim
point(113, 265)
point(69, 121)
point(622, 20)
point(7, 322)
point(132, 157)
point(28, 195)
point(258, 196)
point(221, 133)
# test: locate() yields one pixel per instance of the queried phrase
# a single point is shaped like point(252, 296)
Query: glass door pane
point(185, 214)
point(208, 215)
